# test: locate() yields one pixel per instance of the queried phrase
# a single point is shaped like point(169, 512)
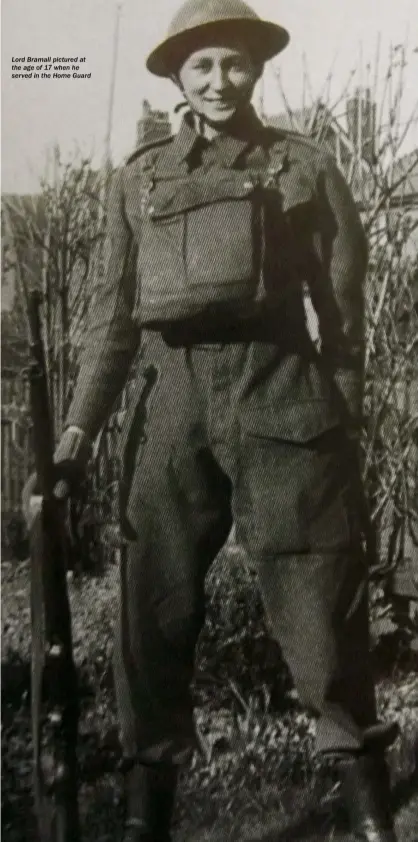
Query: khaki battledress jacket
point(312, 238)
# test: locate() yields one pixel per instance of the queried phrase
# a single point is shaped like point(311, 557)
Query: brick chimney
point(361, 121)
point(153, 125)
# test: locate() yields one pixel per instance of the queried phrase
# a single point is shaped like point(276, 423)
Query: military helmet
point(196, 20)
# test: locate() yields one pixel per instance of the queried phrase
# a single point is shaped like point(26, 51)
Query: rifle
point(54, 694)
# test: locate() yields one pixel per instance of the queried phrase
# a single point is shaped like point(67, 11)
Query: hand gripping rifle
point(54, 696)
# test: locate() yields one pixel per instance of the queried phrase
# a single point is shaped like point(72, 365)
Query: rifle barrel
point(54, 694)
point(43, 432)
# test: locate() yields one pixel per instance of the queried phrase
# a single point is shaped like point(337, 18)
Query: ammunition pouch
point(200, 248)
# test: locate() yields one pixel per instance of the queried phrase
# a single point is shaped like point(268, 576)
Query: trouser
point(213, 443)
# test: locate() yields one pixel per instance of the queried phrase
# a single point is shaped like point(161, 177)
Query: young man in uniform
point(213, 237)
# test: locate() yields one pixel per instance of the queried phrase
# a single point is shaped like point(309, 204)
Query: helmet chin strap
point(184, 102)
point(198, 118)
point(180, 105)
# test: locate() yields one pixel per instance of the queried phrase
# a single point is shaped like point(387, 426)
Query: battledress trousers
point(233, 421)
point(221, 441)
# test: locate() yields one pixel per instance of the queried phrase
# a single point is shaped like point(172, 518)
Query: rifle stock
point(54, 695)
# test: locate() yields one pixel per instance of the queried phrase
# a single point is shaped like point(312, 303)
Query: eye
point(241, 67)
point(202, 66)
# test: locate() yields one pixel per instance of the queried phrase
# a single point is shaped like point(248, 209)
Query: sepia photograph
point(209, 476)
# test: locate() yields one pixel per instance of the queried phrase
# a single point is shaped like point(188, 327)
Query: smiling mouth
point(220, 103)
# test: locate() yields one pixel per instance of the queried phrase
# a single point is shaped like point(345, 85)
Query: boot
point(366, 790)
point(149, 802)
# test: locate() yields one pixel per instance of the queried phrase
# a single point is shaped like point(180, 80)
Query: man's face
point(217, 81)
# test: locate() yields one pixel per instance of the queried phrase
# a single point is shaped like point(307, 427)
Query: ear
point(258, 70)
point(176, 79)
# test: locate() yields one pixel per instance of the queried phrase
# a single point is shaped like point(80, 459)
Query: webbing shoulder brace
point(150, 150)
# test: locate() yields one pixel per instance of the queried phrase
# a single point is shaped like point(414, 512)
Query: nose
point(219, 78)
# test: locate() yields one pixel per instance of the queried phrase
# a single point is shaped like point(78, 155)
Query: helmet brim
point(265, 40)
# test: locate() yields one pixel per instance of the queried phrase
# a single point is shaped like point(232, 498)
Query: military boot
point(149, 801)
point(366, 790)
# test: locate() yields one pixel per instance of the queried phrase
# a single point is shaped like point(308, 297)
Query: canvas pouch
point(199, 246)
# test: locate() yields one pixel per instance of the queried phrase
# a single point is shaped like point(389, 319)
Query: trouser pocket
point(293, 495)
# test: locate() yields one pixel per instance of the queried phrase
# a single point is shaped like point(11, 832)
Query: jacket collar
point(243, 135)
